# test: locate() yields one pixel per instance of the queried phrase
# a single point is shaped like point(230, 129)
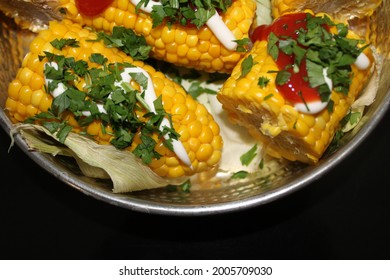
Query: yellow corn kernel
point(270, 118)
point(198, 130)
point(238, 17)
point(204, 152)
point(194, 144)
point(13, 89)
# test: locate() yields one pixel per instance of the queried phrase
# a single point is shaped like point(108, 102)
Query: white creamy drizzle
point(150, 97)
point(362, 62)
point(313, 107)
point(215, 23)
point(222, 32)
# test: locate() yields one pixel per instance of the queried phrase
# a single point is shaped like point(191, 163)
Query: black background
point(343, 215)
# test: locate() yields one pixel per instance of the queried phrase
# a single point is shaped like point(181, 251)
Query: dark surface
point(344, 215)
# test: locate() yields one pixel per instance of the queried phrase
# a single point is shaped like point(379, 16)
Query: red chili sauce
point(297, 89)
point(92, 7)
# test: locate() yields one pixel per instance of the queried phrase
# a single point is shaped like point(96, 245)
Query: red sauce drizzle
point(92, 7)
point(297, 89)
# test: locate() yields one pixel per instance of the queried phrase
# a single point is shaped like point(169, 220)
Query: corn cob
point(199, 133)
point(271, 118)
point(181, 45)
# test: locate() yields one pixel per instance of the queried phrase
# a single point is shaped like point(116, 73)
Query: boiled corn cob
point(181, 45)
point(253, 100)
point(199, 133)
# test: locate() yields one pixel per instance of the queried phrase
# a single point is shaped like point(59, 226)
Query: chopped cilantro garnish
point(243, 44)
point(185, 187)
point(268, 96)
point(315, 73)
point(247, 158)
point(98, 58)
point(125, 109)
point(196, 89)
point(330, 106)
point(240, 175)
point(126, 40)
point(61, 43)
point(282, 77)
point(272, 47)
point(185, 12)
point(247, 65)
point(263, 82)
point(53, 124)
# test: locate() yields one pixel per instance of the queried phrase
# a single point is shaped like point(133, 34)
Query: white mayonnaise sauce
point(362, 62)
point(215, 23)
point(150, 97)
point(313, 107)
point(222, 32)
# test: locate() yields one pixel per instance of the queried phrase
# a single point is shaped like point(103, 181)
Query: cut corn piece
point(180, 45)
point(27, 97)
point(273, 120)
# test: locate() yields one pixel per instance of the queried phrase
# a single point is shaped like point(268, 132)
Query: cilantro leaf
point(240, 175)
point(272, 46)
point(263, 81)
point(247, 65)
point(247, 158)
point(146, 149)
point(282, 77)
point(59, 44)
point(98, 58)
point(186, 13)
point(315, 73)
point(126, 40)
point(243, 44)
point(195, 90)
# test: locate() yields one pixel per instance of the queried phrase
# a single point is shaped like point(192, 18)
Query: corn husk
point(125, 170)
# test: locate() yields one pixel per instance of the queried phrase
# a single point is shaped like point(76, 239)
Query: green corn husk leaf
point(125, 170)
